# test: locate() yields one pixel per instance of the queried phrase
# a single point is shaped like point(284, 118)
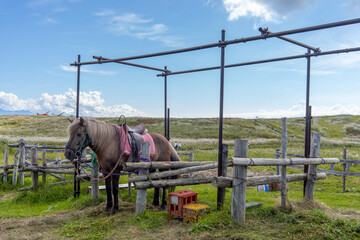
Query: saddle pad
point(127, 148)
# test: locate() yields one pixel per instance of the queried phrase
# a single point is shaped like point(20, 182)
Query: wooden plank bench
point(102, 187)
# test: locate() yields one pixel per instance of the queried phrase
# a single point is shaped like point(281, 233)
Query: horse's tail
point(174, 157)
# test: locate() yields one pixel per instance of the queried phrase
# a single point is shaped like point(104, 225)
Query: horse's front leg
point(115, 191)
point(109, 202)
point(164, 201)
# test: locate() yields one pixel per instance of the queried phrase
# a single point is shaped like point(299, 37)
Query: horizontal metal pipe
point(99, 58)
point(265, 31)
point(219, 44)
point(346, 50)
point(279, 161)
point(152, 54)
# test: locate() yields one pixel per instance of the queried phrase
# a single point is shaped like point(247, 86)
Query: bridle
point(78, 153)
point(86, 137)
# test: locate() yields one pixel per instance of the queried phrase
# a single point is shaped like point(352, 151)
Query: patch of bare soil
point(306, 205)
point(41, 227)
point(6, 196)
point(34, 139)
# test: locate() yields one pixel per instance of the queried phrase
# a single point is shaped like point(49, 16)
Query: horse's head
point(79, 138)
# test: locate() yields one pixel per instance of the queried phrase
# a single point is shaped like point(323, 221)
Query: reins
point(97, 180)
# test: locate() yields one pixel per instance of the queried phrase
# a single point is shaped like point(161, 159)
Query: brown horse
point(104, 140)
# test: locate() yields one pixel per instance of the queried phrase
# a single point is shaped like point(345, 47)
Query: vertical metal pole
point(165, 104)
point(76, 182)
point(221, 115)
point(78, 88)
point(307, 118)
point(168, 124)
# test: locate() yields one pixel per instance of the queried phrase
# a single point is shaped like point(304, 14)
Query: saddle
point(140, 129)
point(135, 137)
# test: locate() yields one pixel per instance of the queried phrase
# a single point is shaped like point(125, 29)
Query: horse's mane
point(101, 131)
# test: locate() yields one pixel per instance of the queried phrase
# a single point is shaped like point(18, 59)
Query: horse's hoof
point(163, 208)
point(113, 212)
point(108, 208)
point(156, 203)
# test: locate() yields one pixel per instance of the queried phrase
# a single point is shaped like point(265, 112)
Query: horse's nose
point(69, 154)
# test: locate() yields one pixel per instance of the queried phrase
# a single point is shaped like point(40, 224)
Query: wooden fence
point(346, 162)
point(27, 159)
point(238, 182)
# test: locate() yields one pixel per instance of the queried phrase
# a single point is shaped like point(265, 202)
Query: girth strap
point(134, 148)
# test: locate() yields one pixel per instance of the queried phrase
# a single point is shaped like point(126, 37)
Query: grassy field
point(52, 212)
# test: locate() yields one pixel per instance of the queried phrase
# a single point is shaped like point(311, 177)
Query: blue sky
point(40, 38)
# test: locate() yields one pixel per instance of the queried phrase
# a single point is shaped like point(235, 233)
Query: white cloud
point(352, 5)
point(91, 104)
point(249, 8)
point(60, 9)
point(136, 26)
point(36, 3)
point(105, 12)
point(48, 21)
point(265, 10)
point(298, 110)
point(84, 69)
point(129, 18)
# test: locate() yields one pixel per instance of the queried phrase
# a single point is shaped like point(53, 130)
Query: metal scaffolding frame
point(265, 34)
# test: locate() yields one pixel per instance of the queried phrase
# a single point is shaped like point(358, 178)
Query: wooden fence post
point(22, 160)
point(283, 155)
point(6, 162)
point(311, 178)
point(222, 191)
point(191, 159)
point(238, 196)
point(16, 167)
point(95, 183)
point(141, 193)
point(277, 154)
point(34, 174)
point(44, 165)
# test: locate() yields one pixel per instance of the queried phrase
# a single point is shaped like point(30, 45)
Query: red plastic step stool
point(177, 200)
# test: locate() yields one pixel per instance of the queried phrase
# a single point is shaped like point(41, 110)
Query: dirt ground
point(49, 226)
point(41, 227)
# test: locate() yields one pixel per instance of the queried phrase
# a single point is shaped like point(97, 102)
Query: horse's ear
point(82, 122)
point(69, 120)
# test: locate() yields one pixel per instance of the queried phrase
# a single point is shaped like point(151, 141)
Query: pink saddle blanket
point(127, 148)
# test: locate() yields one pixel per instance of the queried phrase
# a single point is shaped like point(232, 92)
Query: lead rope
point(97, 180)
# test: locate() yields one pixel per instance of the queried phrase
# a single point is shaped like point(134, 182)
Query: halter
point(108, 174)
point(85, 137)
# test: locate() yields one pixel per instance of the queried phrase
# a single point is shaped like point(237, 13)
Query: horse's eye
point(79, 134)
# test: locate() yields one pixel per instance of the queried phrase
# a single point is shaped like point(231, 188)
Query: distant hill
point(19, 112)
point(341, 127)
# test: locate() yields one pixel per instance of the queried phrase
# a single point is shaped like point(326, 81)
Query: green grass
point(329, 218)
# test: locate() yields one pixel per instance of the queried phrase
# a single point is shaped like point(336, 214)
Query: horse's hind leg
point(109, 202)
point(115, 191)
point(156, 197)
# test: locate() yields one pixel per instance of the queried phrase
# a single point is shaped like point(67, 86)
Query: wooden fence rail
point(240, 180)
point(37, 166)
point(346, 162)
